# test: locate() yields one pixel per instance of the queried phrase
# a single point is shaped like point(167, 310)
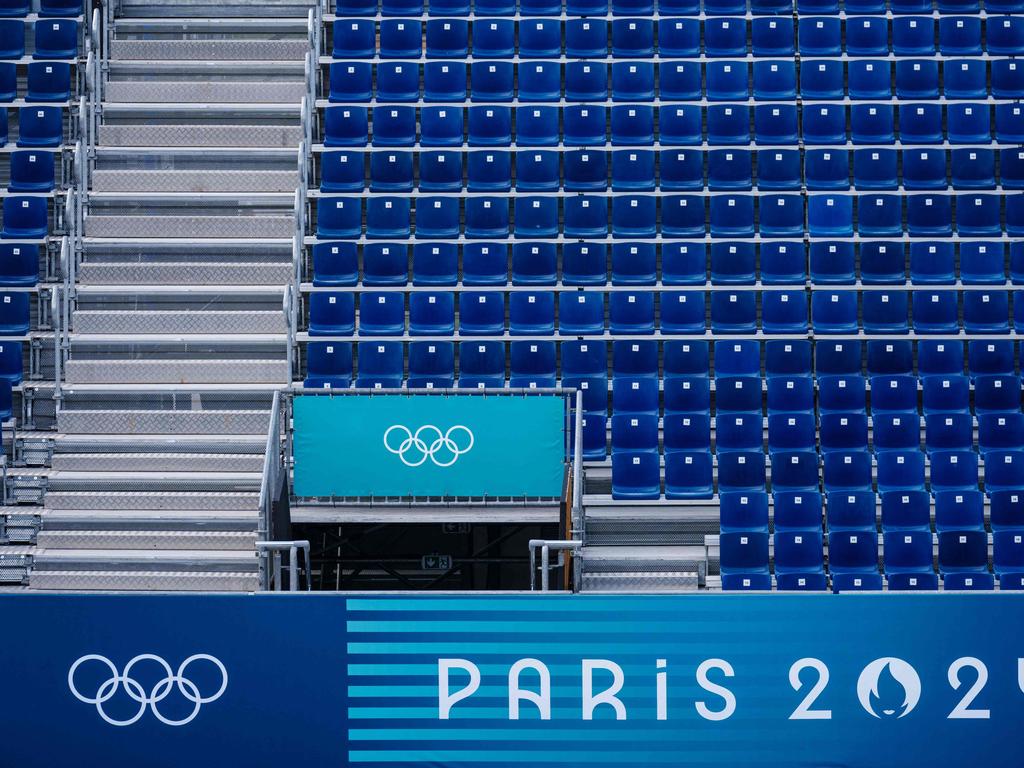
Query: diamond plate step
point(152, 462)
point(667, 581)
point(200, 135)
point(60, 480)
point(190, 226)
point(185, 322)
point(137, 273)
point(149, 519)
point(153, 500)
point(152, 581)
point(639, 559)
point(204, 91)
point(209, 50)
point(177, 372)
point(240, 422)
point(133, 180)
point(136, 540)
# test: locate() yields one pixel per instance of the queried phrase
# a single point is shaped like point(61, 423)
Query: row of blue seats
point(38, 126)
point(12, 8)
point(52, 38)
point(853, 561)
point(533, 313)
point(680, 216)
point(693, 474)
point(47, 81)
point(640, 170)
point(638, 81)
point(635, 38)
point(662, 7)
point(859, 511)
point(347, 263)
point(684, 363)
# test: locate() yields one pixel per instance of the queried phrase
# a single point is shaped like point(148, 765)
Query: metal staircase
point(181, 299)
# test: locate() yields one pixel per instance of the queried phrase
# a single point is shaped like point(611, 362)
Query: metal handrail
point(272, 469)
point(272, 550)
point(545, 546)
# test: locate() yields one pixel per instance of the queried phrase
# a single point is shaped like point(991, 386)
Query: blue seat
point(975, 168)
point(481, 313)
point(481, 365)
point(431, 314)
point(1008, 558)
point(913, 36)
point(587, 38)
point(48, 81)
point(772, 37)
point(447, 38)
point(795, 470)
point(890, 357)
point(12, 38)
point(996, 393)
point(637, 394)
point(435, 264)
point(632, 81)
point(14, 8)
point(686, 359)
point(688, 475)
point(843, 432)
point(1005, 511)
point(738, 431)
point(872, 124)
point(932, 263)
point(797, 511)
point(1004, 36)
point(780, 216)
point(444, 81)
point(977, 215)
point(678, 37)
point(917, 79)
point(832, 262)
point(963, 560)
point(681, 170)
point(853, 554)
point(906, 511)
point(790, 394)
point(56, 39)
point(635, 432)
point(328, 365)
point(783, 263)
point(332, 313)
point(733, 312)
point(346, 127)
point(584, 264)
point(908, 560)
point(725, 37)
point(841, 394)
point(585, 366)
point(351, 81)
point(965, 79)
point(385, 264)
point(585, 170)
point(354, 39)
point(431, 365)
point(896, 393)
point(896, 431)
point(60, 8)
point(1011, 170)
point(869, 79)
point(727, 81)
point(683, 263)
point(636, 360)
point(830, 215)
point(540, 81)
point(741, 471)
point(820, 35)
point(1004, 471)
point(537, 127)
point(821, 80)
point(945, 394)
point(799, 561)
point(683, 312)
point(967, 124)
point(986, 312)
point(847, 470)
point(14, 313)
point(940, 358)
point(389, 172)
point(990, 357)
point(949, 431)
point(631, 313)
point(787, 358)
point(954, 470)
point(827, 169)
point(491, 80)
point(31, 171)
point(632, 125)
point(491, 171)
point(381, 314)
point(1000, 432)
point(595, 435)
point(333, 264)
point(774, 80)
point(486, 217)
point(441, 126)
point(632, 38)
point(737, 394)
point(922, 123)
point(532, 313)
point(1007, 80)
point(687, 394)
point(580, 313)
point(959, 511)
point(744, 512)
point(399, 38)
point(778, 170)
point(19, 265)
point(744, 560)
point(394, 126)
point(634, 216)
point(540, 38)
point(729, 169)
point(396, 7)
point(584, 125)
point(585, 216)
point(532, 366)
point(680, 125)
point(867, 36)
point(834, 311)
point(929, 215)
point(586, 80)
point(633, 170)
point(635, 475)
point(344, 172)
point(784, 312)
point(25, 218)
point(389, 217)
point(634, 264)
point(791, 432)
point(534, 263)
point(776, 124)
point(935, 312)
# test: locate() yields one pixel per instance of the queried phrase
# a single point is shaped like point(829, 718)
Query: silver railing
point(546, 546)
point(270, 484)
point(273, 552)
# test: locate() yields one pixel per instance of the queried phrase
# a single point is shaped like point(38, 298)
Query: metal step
point(150, 581)
point(60, 480)
point(643, 583)
point(183, 321)
point(171, 422)
point(204, 91)
point(144, 559)
point(146, 519)
point(210, 50)
point(135, 227)
point(640, 559)
point(153, 500)
point(142, 273)
point(139, 540)
point(177, 371)
point(169, 180)
point(214, 135)
point(152, 462)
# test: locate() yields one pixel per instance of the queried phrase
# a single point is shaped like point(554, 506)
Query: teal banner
point(429, 445)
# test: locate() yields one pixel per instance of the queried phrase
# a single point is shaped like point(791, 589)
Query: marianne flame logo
point(889, 688)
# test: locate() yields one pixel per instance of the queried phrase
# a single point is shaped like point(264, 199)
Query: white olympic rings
point(160, 691)
point(422, 449)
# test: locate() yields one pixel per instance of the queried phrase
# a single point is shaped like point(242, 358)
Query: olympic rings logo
point(428, 442)
point(160, 691)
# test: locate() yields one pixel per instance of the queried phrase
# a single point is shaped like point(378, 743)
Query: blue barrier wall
point(335, 680)
point(429, 445)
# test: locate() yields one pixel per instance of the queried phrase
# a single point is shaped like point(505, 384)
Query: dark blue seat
point(532, 313)
point(481, 365)
point(447, 38)
point(853, 554)
point(15, 7)
point(490, 126)
point(635, 432)
point(354, 39)
point(12, 39)
point(328, 365)
point(819, 35)
point(381, 314)
point(632, 125)
point(585, 170)
point(1007, 80)
point(790, 394)
point(741, 471)
point(1004, 471)
point(532, 366)
point(678, 37)
point(1008, 558)
point(19, 265)
point(744, 512)
point(906, 510)
point(431, 365)
point(633, 81)
point(14, 313)
point(60, 8)
point(346, 127)
point(872, 124)
point(908, 560)
point(584, 264)
point(1000, 432)
point(634, 264)
point(332, 314)
point(431, 314)
point(31, 171)
point(351, 81)
point(954, 471)
point(481, 313)
point(1004, 36)
point(48, 81)
point(959, 511)
point(799, 560)
point(441, 126)
point(633, 171)
point(744, 560)
point(637, 394)
point(821, 80)
point(894, 393)
point(990, 357)
point(25, 218)
point(913, 36)
point(588, 38)
point(586, 80)
point(635, 475)
point(945, 394)
point(680, 125)
point(534, 263)
point(774, 80)
point(890, 357)
point(791, 432)
point(11, 362)
point(585, 367)
point(772, 37)
point(949, 431)
point(963, 560)
point(965, 79)
point(847, 470)
point(584, 125)
point(399, 38)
